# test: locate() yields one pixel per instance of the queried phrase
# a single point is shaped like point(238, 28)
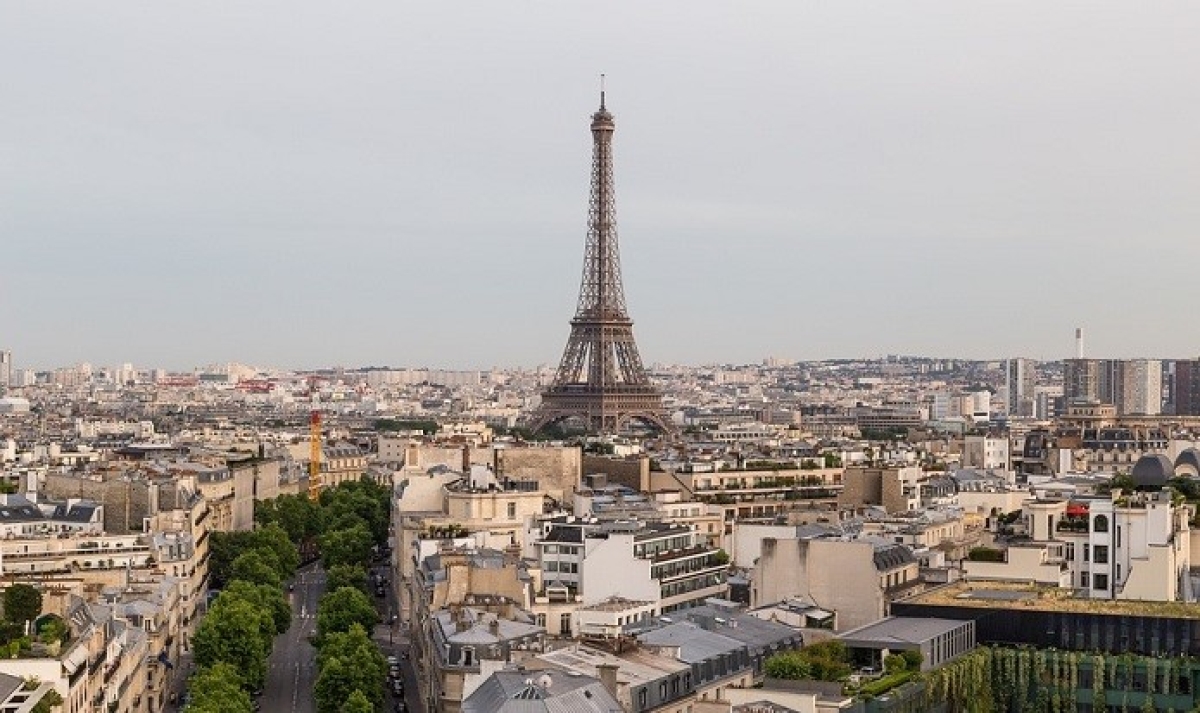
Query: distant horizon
point(551, 366)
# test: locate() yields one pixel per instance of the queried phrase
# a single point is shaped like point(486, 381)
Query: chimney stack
point(494, 627)
point(608, 676)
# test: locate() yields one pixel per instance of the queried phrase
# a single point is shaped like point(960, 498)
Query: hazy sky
point(379, 182)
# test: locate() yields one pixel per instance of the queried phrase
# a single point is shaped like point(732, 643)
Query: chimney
point(608, 676)
point(494, 628)
point(1079, 342)
point(466, 462)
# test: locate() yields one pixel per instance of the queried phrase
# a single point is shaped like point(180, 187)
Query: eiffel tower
point(600, 379)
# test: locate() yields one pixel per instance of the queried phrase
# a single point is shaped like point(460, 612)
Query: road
point(292, 668)
point(392, 639)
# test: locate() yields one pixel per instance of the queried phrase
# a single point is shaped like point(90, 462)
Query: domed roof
point(1189, 456)
point(1152, 471)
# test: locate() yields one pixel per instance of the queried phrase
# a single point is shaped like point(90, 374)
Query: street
point(392, 638)
point(292, 668)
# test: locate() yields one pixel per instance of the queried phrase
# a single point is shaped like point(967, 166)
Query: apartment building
point(442, 505)
point(668, 564)
point(1119, 546)
point(102, 665)
point(856, 579)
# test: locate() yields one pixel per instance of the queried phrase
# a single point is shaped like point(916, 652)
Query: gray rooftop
point(894, 631)
point(549, 691)
point(695, 643)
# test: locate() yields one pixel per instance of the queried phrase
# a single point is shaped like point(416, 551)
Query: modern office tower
point(5, 368)
point(601, 379)
point(1021, 378)
point(1141, 387)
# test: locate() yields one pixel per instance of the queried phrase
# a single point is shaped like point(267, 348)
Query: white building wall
point(609, 569)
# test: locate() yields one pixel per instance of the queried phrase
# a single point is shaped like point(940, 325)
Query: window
point(512, 510)
point(1100, 556)
point(662, 691)
point(1070, 552)
point(564, 623)
point(1083, 580)
point(551, 549)
point(1087, 553)
point(1118, 535)
point(1100, 581)
point(1100, 523)
point(642, 699)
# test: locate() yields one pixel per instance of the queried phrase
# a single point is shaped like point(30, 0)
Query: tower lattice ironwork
point(601, 379)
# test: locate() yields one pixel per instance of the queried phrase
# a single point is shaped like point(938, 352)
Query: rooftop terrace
point(1004, 595)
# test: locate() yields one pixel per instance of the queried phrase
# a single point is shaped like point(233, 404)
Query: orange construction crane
point(314, 455)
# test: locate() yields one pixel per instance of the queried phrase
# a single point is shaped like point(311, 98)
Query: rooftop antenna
point(601, 91)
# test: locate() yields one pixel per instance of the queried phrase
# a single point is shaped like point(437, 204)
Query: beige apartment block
point(895, 489)
point(855, 579)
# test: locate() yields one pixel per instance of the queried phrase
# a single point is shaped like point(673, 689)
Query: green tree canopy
point(353, 645)
point(237, 632)
point(259, 566)
point(350, 545)
point(299, 516)
point(339, 679)
point(357, 703)
point(341, 609)
point(346, 575)
point(223, 549)
point(22, 602)
point(788, 665)
point(275, 538)
point(217, 689)
point(267, 598)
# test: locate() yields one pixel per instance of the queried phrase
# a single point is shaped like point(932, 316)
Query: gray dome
point(1151, 472)
point(1189, 457)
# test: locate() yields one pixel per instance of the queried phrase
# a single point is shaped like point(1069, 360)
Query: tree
point(223, 549)
point(357, 703)
point(275, 538)
point(913, 659)
point(265, 598)
point(22, 603)
point(218, 689)
point(340, 679)
point(259, 566)
point(341, 609)
point(353, 645)
point(237, 632)
point(350, 545)
point(894, 663)
point(346, 575)
point(788, 665)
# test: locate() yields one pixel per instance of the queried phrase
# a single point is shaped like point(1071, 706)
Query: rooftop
point(900, 630)
point(1004, 595)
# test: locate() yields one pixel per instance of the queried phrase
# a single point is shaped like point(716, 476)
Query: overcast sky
point(306, 184)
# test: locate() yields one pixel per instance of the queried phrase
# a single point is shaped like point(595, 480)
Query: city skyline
point(191, 185)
